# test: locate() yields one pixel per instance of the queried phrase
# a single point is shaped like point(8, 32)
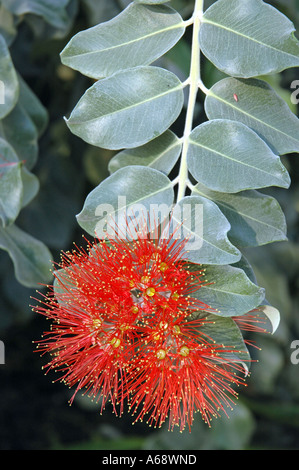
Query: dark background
point(34, 412)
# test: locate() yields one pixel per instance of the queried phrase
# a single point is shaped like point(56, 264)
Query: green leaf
point(31, 258)
point(228, 156)
point(201, 222)
point(128, 109)
point(33, 107)
point(272, 314)
point(11, 185)
point(224, 331)
point(30, 186)
point(8, 27)
point(230, 291)
point(9, 85)
point(52, 11)
point(137, 36)
point(19, 130)
point(130, 188)
point(161, 153)
point(255, 218)
point(248, 38)
point(259, 107)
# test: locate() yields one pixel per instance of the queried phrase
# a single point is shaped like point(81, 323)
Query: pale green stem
point(194, 82)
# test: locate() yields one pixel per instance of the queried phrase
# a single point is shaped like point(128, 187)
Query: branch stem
point(195, 82)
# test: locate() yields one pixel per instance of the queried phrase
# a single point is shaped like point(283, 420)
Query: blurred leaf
point(121, 111)
point(282, 413)
point(100, 11)
point(31, 258)
point(255, 218)
point(52, 11)
point(271, 363)
point(7, 25)
point(137, 36)
point(240, 160)
point(259, 108)
point(150, 2)
point(9, 85)
point(226, 433)
point(251, 29)
point(11, 185)
point(50, 217)
point(123, 443)
point(33, 107)
point(161, 153)
point(19, 130)
point(30, 186)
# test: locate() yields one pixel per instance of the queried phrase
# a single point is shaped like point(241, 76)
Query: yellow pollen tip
point(150, 291)
point(184, 351)
point(161, 354)
point(135, 309)
point(175, 295)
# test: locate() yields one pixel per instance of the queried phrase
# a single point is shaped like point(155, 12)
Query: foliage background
point(34, 413)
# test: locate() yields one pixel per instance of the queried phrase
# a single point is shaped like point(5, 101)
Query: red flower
point(125, 327)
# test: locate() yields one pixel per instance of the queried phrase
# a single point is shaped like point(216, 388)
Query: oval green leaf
point(127, 191)
point(228, 156)
point(224, 331)
point(11, 184)
point(248, 38)
point(31, 258)
point(229, 291)
point(161, 153)
point(255, 218)
point(254, 103)
point(128, 109)
point(139, 35)
point(201, 222)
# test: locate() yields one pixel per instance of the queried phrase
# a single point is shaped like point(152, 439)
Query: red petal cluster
point(126, 328)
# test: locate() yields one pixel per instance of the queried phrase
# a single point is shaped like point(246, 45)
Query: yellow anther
point(115, 342)
point(156, 337)
point(163, 267)
point(161, 354)
point(145, 279)
point(184, 351)
point(176, 330)
point(175, 295)
point(97, 323)
point(163, 325)
point(150, 291)
point(135, 309)
point(124, 327)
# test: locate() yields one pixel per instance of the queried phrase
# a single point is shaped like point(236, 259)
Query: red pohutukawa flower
point(127, 328)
